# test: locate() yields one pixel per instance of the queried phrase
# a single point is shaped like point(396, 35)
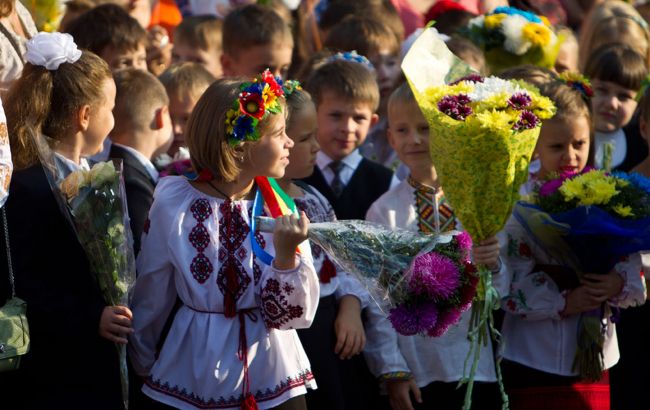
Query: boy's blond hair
point(402, 96)
point(139, 95)
point(251, 26)
point(206, 131)
point(203, 32)
point(363, 34)
point(186, 79)
point(349, 80)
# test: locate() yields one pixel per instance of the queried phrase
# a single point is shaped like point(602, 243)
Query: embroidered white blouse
point(11, 64)
point(429, 359)
point(333, 280)
point(535, 334)
point(196, 247)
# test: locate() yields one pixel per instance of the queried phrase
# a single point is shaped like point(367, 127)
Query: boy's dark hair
point(138, 95)
point(467, 51)
point(204, 32)
point(349, 80)
point(618, 64)
point(107, 25)
point(384, 10)
point(253, 25)
point(535, 75)
point(366, 35)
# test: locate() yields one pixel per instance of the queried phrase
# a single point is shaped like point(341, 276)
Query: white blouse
point(11, 63)
point(534, 332)
point(333, 280)
point(429, 359)
point(197, 248)
point(6, 164)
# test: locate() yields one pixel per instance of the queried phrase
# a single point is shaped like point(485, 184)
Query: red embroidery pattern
point(201, 267)
point(146, 226)
point(232, 279)
point(231, 401)
point(276, 311)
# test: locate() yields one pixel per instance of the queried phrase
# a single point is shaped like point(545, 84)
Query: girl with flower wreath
point(546, 301)
point(231, 343)
point(67, 95)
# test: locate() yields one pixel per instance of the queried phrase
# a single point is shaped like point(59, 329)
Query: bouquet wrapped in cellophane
point(94, 203)
point(510, 37)
point(427, 279)
point(588, 221)
point(483, 133)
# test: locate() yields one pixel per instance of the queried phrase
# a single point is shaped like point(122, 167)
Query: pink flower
point(411, 320)
point(446, 319)
point(550, 187)
point(434, 275)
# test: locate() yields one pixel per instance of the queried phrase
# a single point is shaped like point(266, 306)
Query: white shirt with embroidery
point(6, 165)
point(189, 241)
point(535, 333)
point(429, 359)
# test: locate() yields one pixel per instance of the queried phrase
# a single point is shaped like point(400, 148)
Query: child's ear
point(160, 115)
point(83, 117)
point(374, 120)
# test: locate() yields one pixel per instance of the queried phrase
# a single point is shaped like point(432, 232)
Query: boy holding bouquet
point(428, 367)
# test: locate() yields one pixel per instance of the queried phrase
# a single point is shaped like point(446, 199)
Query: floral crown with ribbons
point(354, 57)
point(578, 82)
point(50, 50)
point(644, 87)
point(255, 102)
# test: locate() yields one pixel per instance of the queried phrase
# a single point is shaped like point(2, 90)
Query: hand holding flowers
point(115, 324)
point(290, 231)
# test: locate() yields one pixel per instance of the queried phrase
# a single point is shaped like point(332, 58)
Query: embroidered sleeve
point(631, 269)
point(6, 165)
point(154, 293)
point(289, 298)
point(531, 294)
point(382, 351)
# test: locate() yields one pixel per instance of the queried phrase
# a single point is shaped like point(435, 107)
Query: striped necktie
point(434, 213)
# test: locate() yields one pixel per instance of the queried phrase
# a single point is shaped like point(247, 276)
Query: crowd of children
point(225, 317)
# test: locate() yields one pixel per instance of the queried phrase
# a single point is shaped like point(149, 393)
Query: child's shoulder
point(173, 190)
point(398, 197)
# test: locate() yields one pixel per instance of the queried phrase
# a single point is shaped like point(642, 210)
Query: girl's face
point(563, 145)
point(101, 120)
point(302, 130)
point(270, 155)
point(612, 105)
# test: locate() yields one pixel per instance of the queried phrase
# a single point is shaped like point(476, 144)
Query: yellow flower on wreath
point(231, 119)
point(494, 20)
point(269, 96)
point(536, 33)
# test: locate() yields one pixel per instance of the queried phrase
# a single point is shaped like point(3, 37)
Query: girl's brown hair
point(43, 101)
point(206, 132)
point(618, 64)
point(296, 101)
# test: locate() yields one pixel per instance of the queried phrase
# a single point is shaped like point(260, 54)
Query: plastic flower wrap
point(588, 222)
point(428, 280)
point(483, 133)
point(510, 37)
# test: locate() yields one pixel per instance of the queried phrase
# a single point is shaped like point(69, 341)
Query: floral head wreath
point(291, 86)
point(578, 82)
point(50, 50)
point(644, 87)
point(255, 102)
point(353, 57)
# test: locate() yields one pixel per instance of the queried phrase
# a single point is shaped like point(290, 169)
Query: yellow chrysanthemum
point(494, 120)
point(592, 188)
point(624, 211)
point(231, 118)
point(546, 21)
point(269, 96)
point(543, 107)
point(537, 34)
point(495, 101)
point(494, 20)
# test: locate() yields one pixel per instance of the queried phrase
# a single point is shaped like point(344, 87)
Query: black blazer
point(369, 181)
point(69, 365)
point(637, 147)
point(139, 191)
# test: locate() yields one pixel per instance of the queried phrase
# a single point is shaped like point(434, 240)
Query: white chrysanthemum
point(512, 28)
point(491, 86)
point(477, 22)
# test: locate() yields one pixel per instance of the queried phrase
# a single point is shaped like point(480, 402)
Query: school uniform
point(359, 183)
point(630, 149)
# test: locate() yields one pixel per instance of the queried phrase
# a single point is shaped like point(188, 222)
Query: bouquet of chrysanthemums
point(588, 221)
point(96, 199)
point(428, 280)
point(510, 37)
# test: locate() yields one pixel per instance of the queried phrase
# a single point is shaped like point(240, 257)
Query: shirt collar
point(144, 161)
point(353, 160)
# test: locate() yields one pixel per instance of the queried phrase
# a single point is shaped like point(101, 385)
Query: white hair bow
point(50, 50)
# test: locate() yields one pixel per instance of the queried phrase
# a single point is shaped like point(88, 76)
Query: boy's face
point(251, 61)
point(120, 59)
point(180, 108)
point(100, 120)
point(612, 105)
point(388, 71)
point(408, 135)
point(302, 130)
point(563, 145)
point(209, 59)
point(342, 124)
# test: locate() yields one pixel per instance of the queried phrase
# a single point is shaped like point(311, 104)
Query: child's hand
point(350, 336)
point(580, 300)
point(603, 287)
point(115, 324)
point(487, 253)
point(398, 393)
point(288, 234)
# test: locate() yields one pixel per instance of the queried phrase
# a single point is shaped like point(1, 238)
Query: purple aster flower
point(550, 187)
point(463, 99)
point(445, 320)
point(527, 121)
point(434, 275)
point(519, 101)
point(475, 78)
point(464, 242)
point(409, 321)
point(451, 105)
